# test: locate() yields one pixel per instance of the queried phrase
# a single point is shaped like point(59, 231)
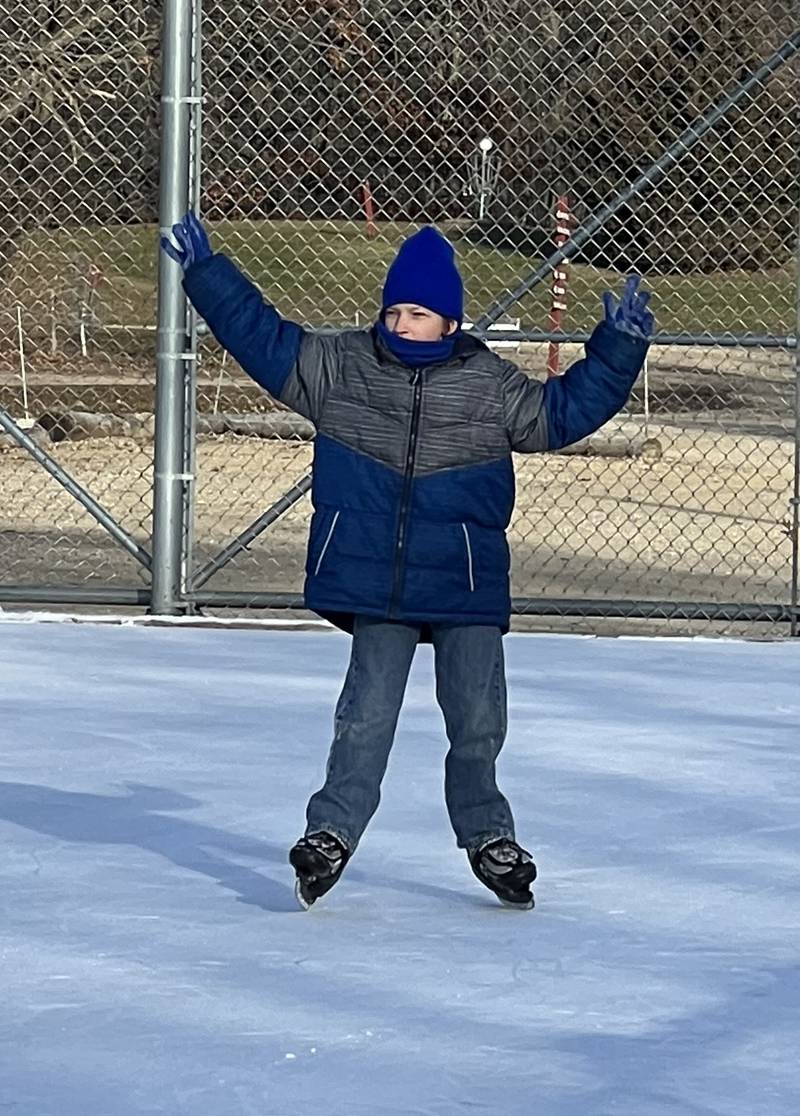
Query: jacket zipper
point(416, 382)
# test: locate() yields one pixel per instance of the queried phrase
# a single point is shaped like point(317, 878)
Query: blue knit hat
point(424, 272)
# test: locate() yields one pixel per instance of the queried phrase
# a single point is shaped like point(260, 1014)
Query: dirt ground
point(703, 514)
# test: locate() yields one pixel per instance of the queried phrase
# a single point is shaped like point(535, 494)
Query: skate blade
point(528, 905)
point(304, 903)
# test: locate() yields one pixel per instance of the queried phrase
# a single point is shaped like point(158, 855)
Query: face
point(415, 323)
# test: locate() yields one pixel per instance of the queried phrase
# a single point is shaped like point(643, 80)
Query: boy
point(413, 488)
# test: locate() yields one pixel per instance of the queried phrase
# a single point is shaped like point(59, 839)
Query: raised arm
point(564, 409)
point(293, 365)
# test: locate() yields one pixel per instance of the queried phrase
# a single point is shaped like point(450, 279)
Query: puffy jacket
point(413, 482)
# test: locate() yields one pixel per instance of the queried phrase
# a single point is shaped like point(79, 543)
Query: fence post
point(795, 500)
point(192, 366)
point(173, 349)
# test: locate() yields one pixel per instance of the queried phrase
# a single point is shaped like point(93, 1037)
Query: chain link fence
point(78, 168)
point(664, 134)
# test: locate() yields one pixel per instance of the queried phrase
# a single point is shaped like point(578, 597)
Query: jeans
point(471, 692)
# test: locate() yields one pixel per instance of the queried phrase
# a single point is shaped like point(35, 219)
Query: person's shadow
point(138, 818)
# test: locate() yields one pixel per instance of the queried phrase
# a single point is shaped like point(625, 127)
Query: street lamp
point(485, 175)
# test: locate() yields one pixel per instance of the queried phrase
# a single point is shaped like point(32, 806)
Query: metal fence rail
point(558, 145)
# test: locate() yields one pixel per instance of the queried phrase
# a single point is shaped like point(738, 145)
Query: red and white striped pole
point(369, 208)
point(560, 275)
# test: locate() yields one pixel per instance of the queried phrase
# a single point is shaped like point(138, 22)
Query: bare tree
point(78, 104)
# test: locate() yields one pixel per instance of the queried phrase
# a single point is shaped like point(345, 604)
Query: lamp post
point(485, 185)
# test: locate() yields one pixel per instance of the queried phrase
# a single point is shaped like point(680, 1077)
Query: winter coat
point(413, 481)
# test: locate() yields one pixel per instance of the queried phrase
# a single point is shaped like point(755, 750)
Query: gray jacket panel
point(318, 366)
point(474, 408)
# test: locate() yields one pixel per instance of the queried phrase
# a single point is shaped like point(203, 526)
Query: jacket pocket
point(326, 544)
point(470, 566)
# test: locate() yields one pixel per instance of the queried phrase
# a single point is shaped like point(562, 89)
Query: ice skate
point(318, 860)
point(507, 870)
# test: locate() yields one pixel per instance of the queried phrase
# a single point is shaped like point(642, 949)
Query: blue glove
point(193, 245)
point(631, 314)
